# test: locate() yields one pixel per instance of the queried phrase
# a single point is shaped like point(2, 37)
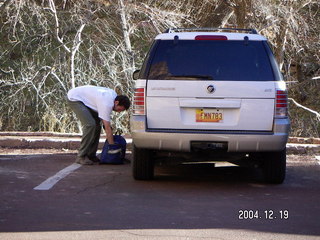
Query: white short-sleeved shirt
point(99, 99)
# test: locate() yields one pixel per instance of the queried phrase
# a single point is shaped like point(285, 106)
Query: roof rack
point(249, 30)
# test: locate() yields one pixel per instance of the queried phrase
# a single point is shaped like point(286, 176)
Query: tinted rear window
point(205, 60)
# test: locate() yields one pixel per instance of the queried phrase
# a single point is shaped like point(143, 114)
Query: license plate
point(209, 115)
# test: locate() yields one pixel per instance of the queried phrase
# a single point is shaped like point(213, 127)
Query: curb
point(311, 149)
point(51, 140)
point(47, 141)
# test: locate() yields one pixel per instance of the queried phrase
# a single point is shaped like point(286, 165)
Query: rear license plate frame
point(209, 115)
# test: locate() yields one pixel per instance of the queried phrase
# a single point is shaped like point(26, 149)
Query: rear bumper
point(179, 140)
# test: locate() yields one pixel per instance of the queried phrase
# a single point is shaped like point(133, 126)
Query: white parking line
point(318, 158)
point(51, 181)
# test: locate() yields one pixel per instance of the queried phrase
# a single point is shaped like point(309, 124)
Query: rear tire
point(274, 166)
point(143, 164)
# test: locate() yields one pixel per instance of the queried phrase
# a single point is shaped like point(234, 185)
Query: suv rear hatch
point(210, 84)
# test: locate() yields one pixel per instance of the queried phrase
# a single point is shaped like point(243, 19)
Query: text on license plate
point(209, 115)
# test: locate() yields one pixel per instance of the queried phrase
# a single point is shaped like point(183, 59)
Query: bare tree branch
point(76, 44)
point(305, 108)
point(4, 5)
point(54, 11)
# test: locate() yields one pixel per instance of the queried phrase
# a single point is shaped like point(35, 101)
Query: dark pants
point(91, 128)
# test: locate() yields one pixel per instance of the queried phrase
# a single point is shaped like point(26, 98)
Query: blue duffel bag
point(114, 153)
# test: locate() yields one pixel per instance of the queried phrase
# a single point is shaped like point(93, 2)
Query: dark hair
point(123, 101)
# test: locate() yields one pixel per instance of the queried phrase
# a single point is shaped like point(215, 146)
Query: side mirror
point(136, 74)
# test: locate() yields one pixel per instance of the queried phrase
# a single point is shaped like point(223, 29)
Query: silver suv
point(210, 94)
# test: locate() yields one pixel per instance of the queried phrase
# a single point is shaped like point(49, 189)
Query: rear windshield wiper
point(204, 77)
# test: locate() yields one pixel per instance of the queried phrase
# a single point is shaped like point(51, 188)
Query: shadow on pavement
point(105, 197)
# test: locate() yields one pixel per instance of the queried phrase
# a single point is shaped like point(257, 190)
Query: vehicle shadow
point(224, 172)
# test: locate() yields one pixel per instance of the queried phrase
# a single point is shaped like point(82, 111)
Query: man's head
point(121, 103)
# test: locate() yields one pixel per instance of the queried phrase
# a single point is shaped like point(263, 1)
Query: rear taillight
point(138, 101)
point(211, 37)
point(281, 104)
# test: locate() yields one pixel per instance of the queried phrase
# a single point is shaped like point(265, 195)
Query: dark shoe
point(125, 160)
point(94, 159)
point(84, 161)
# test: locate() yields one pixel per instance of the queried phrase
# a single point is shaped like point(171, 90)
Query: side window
point(273, 61)
point(146, 64)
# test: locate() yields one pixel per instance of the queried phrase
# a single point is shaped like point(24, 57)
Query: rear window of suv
point(210, 60)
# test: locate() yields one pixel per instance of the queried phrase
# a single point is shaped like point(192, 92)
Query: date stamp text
point(245, 214)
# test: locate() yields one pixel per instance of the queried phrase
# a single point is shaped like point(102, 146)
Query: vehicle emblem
point(210, 89)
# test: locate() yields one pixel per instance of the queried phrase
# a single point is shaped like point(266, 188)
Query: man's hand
point(108, 129)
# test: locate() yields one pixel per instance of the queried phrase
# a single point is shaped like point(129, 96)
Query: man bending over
point(92, 105)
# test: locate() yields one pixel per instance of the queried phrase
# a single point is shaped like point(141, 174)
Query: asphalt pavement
point(44, 195)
